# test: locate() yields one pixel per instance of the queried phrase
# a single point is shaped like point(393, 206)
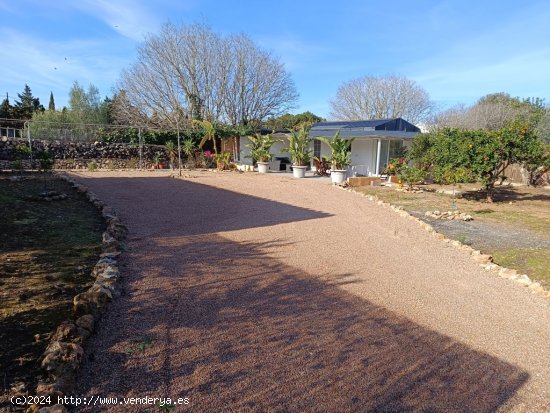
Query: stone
point(109, 273)
point(111, 255)
point(507, 272)
point(86, 322)
point(482, 258)
point(81, 304)
point(117, 230)
point(57, 408)
point(522, 279)
point(111, 246)
point(48, 389)
point(490, 266)
point(66, 331)
point(62, 360)
point(92, 301)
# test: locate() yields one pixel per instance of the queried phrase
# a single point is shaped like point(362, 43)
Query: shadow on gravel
point(219, 210)
point(235, 330)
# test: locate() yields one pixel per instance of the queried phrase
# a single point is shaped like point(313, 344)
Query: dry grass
point(47, 250)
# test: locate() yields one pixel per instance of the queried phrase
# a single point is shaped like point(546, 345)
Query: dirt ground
point(245, 292)
point(515, 229)
point(47, 250)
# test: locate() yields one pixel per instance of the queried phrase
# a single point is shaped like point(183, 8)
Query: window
point(317, 148)
point(396, 149)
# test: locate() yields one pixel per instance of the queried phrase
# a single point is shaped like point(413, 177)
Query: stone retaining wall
point(80, 155)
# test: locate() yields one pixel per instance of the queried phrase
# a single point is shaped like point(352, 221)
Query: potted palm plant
point(340, 156)
point(171, 152)
point(298, 149)
point(259, 146)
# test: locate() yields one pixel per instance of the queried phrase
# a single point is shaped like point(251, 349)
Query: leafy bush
point(411, 175)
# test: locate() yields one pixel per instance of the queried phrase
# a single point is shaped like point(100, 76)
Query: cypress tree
point(51, 105)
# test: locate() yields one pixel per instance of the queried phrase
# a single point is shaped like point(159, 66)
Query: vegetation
point(46, 255)
point(455, 154)
point(223, 160)
point(171, 153)
point(298, 146)
point(260, 146)
point(340, 150)
point(291, 122)
point(210, 131)
point(491, 112)
point(384, 97)
point(411, 175)
point(202, 75)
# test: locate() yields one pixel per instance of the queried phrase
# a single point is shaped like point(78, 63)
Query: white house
point(376, 142)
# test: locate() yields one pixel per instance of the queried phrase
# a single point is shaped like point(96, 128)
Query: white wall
point(276, 149)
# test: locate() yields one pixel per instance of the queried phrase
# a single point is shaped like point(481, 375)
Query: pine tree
point(27, 104)
point(51, 105)
point(6, 110)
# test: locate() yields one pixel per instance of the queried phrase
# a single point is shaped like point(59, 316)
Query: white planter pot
point(263, 167)
point(299, 171)
point(338, 176)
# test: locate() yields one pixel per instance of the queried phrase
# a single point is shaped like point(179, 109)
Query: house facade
point(375, 143)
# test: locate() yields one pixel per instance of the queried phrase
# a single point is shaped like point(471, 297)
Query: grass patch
point(47, 250)
point(531, 261)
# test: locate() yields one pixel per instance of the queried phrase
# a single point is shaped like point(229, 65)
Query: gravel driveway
point(256, 293)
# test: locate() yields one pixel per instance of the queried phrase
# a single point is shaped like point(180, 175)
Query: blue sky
point(457, 50)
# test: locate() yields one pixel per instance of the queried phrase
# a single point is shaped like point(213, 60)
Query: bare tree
point(258, 85)
point(386, 97)
point(491, 112)
point(193, 71)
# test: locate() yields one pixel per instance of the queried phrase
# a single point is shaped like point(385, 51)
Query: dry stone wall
point(80, 155)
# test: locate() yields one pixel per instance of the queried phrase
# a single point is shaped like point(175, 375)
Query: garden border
point(63, 356)
point(484, 260)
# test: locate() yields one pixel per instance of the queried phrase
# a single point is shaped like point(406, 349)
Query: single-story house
point(376, 142)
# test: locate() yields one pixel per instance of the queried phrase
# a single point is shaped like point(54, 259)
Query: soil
point(47, 251)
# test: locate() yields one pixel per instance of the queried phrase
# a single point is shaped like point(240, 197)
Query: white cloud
point(131, 19)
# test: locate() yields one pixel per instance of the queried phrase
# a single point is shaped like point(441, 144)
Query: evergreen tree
point(51, 105)
point(27, 104)
point(6, 110)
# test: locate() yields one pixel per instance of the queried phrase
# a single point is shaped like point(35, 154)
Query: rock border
point(483, 260)
point(63, 356)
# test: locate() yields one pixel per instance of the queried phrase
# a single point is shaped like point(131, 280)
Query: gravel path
point(247, 292)
point(483, 235)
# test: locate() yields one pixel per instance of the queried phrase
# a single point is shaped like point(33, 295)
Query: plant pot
point(263, 167)
point(338, 176)
point(299, 171)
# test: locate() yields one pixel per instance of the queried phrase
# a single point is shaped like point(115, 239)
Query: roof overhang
point(361, 133)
